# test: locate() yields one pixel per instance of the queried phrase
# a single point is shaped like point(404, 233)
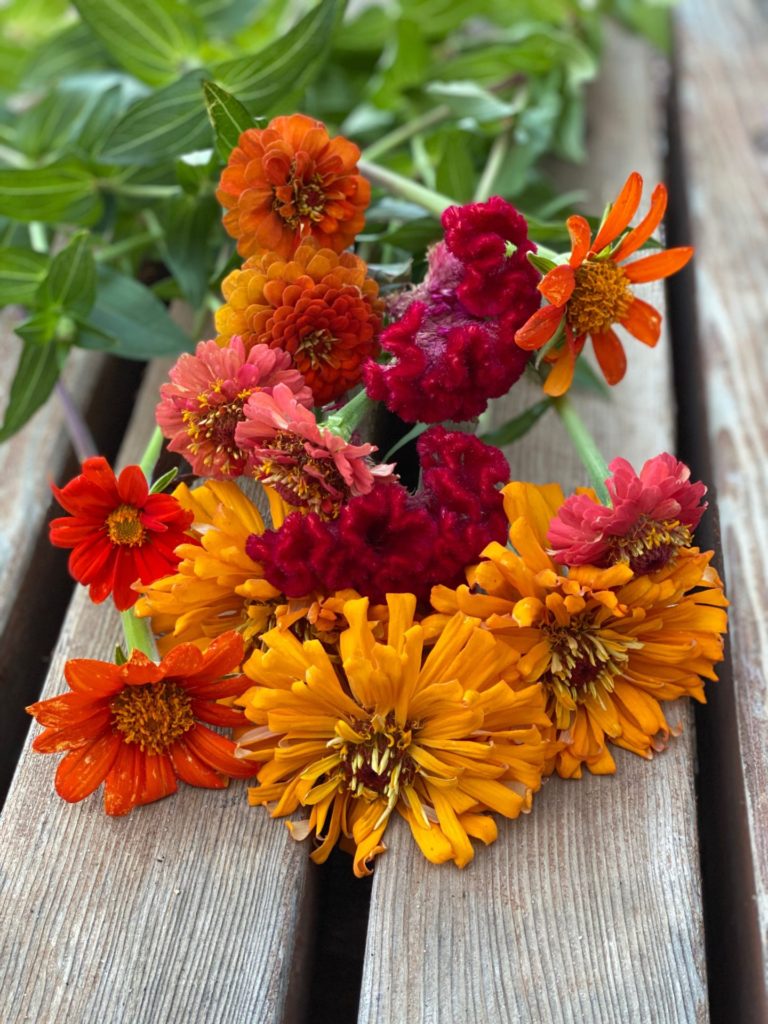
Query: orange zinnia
point(607, 645)
point(137, 727)
point(319, 306)
point(592, 292)
point(290, 180)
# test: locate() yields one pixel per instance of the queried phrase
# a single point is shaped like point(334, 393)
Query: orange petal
point(643, 231)
point(580, 233)
point(610, 355)
point(540, 328)
point(561, 374)
point(643, 321)
point(661, 264)
point(621, 213)
point(557, 286)
point(84, 769)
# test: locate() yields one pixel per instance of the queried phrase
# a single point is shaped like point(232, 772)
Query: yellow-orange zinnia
point(442, 739)
point(607, 645)
point(591, 292)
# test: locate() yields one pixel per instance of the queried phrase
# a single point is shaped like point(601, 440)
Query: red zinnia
point(119, 532)
point(137, 727)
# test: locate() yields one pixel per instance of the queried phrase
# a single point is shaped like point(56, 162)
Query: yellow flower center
point(601, 297)
point(152, 715)
point(300, 479)
point(124, 526)
point(585, 662)
point(650, 545)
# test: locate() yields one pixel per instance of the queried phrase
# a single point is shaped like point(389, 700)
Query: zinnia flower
point(307, 466)
point(592, 292)
point(390, 540)
point(651, 517)
point(290, 180)
point(119, 532)
point(607, 645)
point(201, 407)
point(453, 346)
point(442, 740)
point(320, 307)
point(138, 727)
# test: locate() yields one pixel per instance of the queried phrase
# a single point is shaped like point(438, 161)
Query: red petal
point(621, 213)
point(610, 355)
point(217, 714)
point(192, 770)
point(557, 286)
point(124, 781)
point(540, 328)
point(643, 321)
point(640, 234)
point(126, 574)
point(159, 778)
point(132, 487)
point(661, 264)
point(92, 677)
point(217, 752)
point(84, 769)
point(580, 233)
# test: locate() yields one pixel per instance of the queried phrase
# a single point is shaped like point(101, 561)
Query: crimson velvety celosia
point(390, 540)
point(652, 514)
point(454, 346)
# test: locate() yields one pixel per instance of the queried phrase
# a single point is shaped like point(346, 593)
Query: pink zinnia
point(309, 467)
point(200, 408)
point(652, 515)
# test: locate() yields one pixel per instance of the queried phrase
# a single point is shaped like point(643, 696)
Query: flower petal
point(621, 213)
point(610, 355)
point(658, 266)
point(643, 321)
point(540, 328)
point(640, 234)
point(557, 286)
point(581, 235)
point(83, 770)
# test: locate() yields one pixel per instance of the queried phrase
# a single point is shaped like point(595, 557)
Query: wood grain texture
point(589, 910)
point(186, 910)
point(723, 78)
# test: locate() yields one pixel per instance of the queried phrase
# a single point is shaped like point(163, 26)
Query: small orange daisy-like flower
point(138, 727)
point(290, 180)
point(319, 306)
point(592, 292)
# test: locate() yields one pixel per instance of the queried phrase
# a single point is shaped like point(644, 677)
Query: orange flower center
point(601, 297)
point(317, 347)
point(153, 715)
point(374, 758)
point(124, 526)
point(298, 478)
point(651, 545)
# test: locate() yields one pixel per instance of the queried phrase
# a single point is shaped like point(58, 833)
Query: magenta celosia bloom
point(201, 406)
point(308, 466)
point(390, 540)
point(454, 346)
point(651, 516)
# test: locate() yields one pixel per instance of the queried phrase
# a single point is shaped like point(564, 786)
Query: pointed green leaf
point(37, 371)
point(21, 272)
point(39, 328)
point(162, 481)
point(228, 117)
point(71, 281)
point(62, 191)
point(519, 425)
point(541, 263)
point(187, 221)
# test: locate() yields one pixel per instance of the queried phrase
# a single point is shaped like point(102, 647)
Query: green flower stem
point(151, 454)
point(138, 634)
point(127, 246)
point(403, 187)
point(585, 446)
point(496, 158)
point(406, 131)
point(125, 188)
point(38, 238)
point(346, 419)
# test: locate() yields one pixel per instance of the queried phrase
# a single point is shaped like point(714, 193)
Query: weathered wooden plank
point(722, 82)
point(590, 909)
point(186, 910)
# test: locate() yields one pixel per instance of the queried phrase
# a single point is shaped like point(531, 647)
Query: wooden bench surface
point(593, 908)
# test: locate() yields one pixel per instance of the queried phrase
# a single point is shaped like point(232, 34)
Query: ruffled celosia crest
point(200, 408)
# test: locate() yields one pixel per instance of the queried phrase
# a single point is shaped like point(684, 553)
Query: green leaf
point(162, 481)
point(187, 221)
point(162, 126)
point(39, 328)
point(468, 99)
point(412, 434)
point(518, 426)
point(262, 80)
point(127, 320)
point(149, 38)
point(72, 50)
point(228, 117)
point(36, 374)
point(456, 171)
point(415, 235)
point(541, 263)
point(71, 281)
point(62, 191)
point(120, 658)
point(585, 377)
point(21, 271)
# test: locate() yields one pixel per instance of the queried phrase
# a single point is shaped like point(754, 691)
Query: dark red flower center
point(152, 715)
point(303, 481)
point(124, 526)
point(379, 763)
point(651, 545)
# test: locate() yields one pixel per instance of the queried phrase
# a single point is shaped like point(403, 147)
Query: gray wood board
point(589, 910)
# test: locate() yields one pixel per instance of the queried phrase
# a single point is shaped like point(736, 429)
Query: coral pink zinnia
point(203, 404)
point(308, 467)
point(119, 532)
point(652, 515)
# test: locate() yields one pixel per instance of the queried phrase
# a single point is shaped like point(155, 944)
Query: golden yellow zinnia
point(607, 644)
point(442, 739)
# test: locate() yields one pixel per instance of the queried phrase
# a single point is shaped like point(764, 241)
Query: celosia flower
point(307, 466)
point(290, 180)
point(442, 740)
point(454, 346)
point(119, 532)
point(320, 307)
point(389, 540)
point(203, 404)
point(607, 645)
point(138, 727)
point(651, 517)
point(592, 292)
